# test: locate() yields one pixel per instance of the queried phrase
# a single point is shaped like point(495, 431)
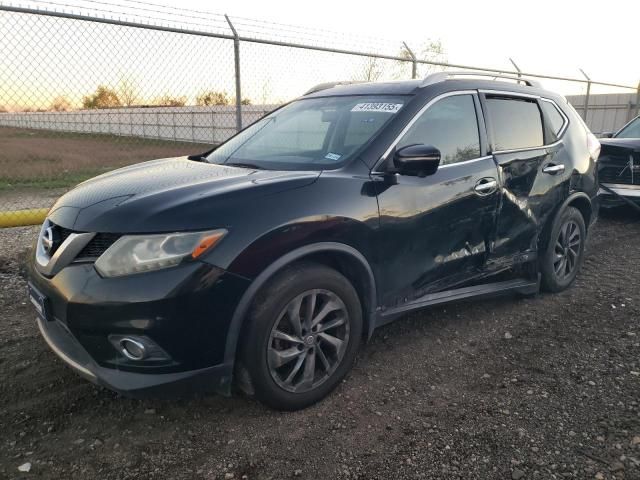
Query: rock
point(228, 476)
point(635, 440)
point(79, 441)
point(517, 474)
point(599, 476)
point(150, 411)
point(486, 375)
point(507, 335)
point(25, 467)
point(297, 473)
point(616, 466)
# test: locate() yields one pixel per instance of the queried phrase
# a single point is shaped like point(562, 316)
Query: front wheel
point(304, 332)
point(563, 257)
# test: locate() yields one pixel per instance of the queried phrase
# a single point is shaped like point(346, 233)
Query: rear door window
point(515, 123)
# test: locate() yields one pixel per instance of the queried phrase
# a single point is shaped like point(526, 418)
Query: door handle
point(553, 169)
point(485, 186)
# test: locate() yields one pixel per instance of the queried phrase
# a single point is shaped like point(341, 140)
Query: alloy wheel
point(308, 340)
point(567, 250)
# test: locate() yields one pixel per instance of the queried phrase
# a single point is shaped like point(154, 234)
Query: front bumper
point(186, 310)
point(64, 344)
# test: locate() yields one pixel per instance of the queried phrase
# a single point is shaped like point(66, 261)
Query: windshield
point(632, 130)
point(309, 134)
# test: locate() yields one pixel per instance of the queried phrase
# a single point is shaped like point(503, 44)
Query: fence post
point(236, 55)
point(414, 63)
point(516, 66)
point(638, 100)
point(586, 97)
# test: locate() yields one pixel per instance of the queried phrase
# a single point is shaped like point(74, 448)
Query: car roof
point(409, 87)
point(402, 87)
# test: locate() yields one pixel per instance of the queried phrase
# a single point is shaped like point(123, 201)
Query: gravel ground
point(544, 387)
point(26, 198)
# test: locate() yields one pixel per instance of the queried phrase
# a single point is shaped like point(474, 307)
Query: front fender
point(245, 302)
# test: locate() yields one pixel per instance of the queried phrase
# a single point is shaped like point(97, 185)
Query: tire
point(275, 344)
point(563, 257)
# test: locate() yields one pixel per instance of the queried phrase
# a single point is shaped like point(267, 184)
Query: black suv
point(271, 257)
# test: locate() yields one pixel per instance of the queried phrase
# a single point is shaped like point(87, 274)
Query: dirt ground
point(546, 387)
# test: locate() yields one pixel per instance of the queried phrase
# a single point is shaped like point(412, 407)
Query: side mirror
point(418, 160)
point(606, 135)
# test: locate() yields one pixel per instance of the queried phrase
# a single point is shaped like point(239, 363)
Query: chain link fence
point(93, 86)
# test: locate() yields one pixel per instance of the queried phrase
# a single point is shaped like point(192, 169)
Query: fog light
point(138, 348)
point(132, 349)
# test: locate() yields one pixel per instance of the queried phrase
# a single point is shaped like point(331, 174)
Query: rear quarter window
point(554, 122)
point(515, 123)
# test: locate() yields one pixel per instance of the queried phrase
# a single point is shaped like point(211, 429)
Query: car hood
point(168, 195)
point(614, 144)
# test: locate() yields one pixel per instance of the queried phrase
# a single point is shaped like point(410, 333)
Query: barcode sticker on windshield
point(377, 107)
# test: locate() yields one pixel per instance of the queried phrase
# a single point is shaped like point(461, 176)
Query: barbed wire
point(150, 13)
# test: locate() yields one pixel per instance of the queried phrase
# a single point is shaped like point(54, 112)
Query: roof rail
point(442, 76)
point(325, 85)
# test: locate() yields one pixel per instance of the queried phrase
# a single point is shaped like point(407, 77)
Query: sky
point(44, 58)
point(550, 36)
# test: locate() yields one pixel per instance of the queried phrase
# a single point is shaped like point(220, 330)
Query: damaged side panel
point(528, 198)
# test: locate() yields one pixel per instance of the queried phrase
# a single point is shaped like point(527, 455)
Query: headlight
point(143, 253)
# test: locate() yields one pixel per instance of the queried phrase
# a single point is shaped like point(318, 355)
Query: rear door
point(531, 162)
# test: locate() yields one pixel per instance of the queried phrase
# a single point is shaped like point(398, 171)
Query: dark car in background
point(619, 165)
point(270, 258)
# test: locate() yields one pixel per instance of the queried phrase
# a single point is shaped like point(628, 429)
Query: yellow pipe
point(21, 218)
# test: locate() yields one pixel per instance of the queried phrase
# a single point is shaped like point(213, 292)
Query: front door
point(435, 231)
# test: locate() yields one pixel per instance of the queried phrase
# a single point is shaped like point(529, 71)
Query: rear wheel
point(303, 336)
point(563, 257)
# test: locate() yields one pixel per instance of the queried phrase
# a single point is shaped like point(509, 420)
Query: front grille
point(62, 232)
point(92, 250)
point(623, 169)
point(98, 245)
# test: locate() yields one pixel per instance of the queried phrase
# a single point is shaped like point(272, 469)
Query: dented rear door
point(519, 209)
point(517, 141)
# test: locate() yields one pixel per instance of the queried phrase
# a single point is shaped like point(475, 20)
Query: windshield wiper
point(244, 165)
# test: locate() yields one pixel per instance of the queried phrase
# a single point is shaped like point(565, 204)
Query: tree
point(371, 71)
point(3, 109)
point(431, 51)
point(212, 97)
point(128, 91)
point(169, 101)
point(60, 104)
point(246, 101)
point(104, 97)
